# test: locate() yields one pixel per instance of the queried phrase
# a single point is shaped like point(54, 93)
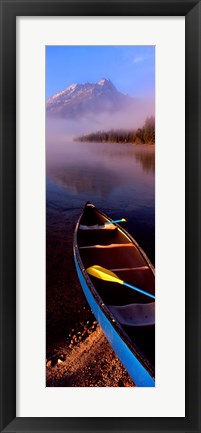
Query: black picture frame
point(191, 9)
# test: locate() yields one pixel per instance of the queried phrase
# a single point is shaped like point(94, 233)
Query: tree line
point(144, 135)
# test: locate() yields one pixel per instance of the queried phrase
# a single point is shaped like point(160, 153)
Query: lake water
point(118, 178)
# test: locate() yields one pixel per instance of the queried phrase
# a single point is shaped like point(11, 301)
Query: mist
point(131, 117)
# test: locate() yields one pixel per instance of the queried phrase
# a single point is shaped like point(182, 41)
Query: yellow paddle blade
point(103, 274)
point(124, 219)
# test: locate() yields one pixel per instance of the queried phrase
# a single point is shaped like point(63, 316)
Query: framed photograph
point(100, 136)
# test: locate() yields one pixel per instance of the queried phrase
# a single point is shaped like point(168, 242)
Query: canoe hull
point(136, 370)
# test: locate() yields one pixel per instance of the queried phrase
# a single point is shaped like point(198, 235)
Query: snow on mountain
point(79, 100)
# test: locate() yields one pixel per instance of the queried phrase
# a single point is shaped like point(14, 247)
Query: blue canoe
point(126, 317)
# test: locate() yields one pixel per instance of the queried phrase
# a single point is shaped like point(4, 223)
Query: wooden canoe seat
point(112, 257)
point(134, 314)
point(98, 227)
point(129, 244)
point(136, 268)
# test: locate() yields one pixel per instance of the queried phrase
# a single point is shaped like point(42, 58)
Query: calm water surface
point(118, 178)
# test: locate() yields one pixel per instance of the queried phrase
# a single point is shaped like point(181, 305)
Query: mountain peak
point(72, 86)
point(104, 81)
point(81, 99)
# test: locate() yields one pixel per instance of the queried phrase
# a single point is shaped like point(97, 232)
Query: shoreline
point(91, 363)
point(77, 352)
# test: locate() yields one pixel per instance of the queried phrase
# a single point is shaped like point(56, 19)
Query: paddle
point(116, 221)
point(106, 275)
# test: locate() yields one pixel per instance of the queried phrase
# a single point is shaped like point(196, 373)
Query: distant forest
point(144, 135)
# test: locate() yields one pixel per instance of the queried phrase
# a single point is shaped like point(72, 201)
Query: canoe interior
point(127, 261)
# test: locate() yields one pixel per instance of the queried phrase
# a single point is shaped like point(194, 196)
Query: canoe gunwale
point(117, 326)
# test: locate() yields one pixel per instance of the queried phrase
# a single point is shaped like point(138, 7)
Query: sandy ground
point(91, 363)
point(77, 352)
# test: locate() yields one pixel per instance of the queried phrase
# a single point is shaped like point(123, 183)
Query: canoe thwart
point(129, 244)
point(98, 227)
point(136, 268)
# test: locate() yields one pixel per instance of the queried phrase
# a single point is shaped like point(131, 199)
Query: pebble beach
point(77, 352)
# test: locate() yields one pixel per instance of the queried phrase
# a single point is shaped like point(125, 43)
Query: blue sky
point(130, 68)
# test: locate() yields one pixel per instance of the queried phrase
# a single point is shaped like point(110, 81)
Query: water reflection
point(79, 179)
point(102, 168)
point(145, 154)
point(118, 178)
point(147, 160)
